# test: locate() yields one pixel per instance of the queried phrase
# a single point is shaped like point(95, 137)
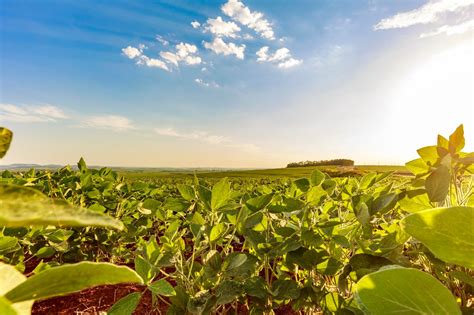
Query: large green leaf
point(456, 140)
point(417, 166)
point(437, 184)
point(162, 287)
point(404, 291)
point(126, 305)
point(23, 206)
point(217, 231)
point(447, 232)
point(260, 202)
point(429, 154)
point(221, 194)
point(9, 279)
point(317, 177)
point(71, 278)
point(6, 308)
point(5, 140)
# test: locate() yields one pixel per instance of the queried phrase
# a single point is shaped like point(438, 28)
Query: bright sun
point(436, 97)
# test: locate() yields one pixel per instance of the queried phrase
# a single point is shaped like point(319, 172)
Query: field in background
point(295, 172)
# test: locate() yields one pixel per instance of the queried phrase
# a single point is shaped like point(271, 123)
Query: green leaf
point(414, 201)
point(260, 202)
point(447, 232)
point(456, 140)
point(23, 206)
point(256, 286)
point(234, 260)
point(384, 203)
point(187, 192)
point(45, 252)
point(9, 279)
point(317, 177)
point(71, 278)
point(285, 289)
point(6, 308)
point(463, 277)
point(144, 269)
point(302, 184)
point(126, 305)
point(82, 166)
point(5, 140)
point(217, 231)
point(221, 194)
point(228, 291)
point(8, 244)
point(286, 205)
point(417, 167)
point(316, 195)
point(367, 181)
point(437, 184)
point(429, 154)
point(162, 287)
point(205, 196)
point(404, 291)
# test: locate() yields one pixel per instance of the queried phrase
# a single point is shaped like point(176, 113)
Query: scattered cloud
point(236, 10)
point(195, 24)
point(426, 14)
point(282, 57)
point(131, 52)
point(220, 28)
point(141, 59)
point(194, 135)
point(110, 122)
point(41, 113)
point(152, 62)
point(290, 63)
point(206, 137)
point(184, 53)
point(206, 84)
point(248, 37)
point(163, 41)
point(451, 29)
point(220, 47)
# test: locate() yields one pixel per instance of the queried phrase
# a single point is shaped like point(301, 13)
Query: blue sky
point(233, 83)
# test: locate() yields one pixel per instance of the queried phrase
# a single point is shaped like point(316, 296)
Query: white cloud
point(163, 41)
point(206, 137)
point(141, 59)
point(426, 14)
point(184, 53)
point(195, 24)
point(131, 52)
point(289, 63)
point(451, 29)
point(152, 62)
point(206, 84)
point(42, 113)
point(282, 57)
point(170, 57)
point(254, 20)
point(220, 47)
point(219, 27)
point(111, 122)
point(194, 135)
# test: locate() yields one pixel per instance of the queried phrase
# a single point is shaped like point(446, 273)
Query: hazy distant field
point(280, 172)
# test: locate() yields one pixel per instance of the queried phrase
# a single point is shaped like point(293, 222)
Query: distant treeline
point(336, 162)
